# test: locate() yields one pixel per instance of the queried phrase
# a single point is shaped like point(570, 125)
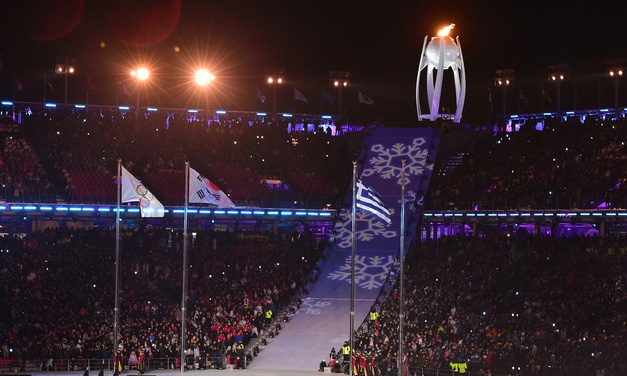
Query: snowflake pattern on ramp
point(313, 306)
point(370, 271)
point(410, 196)
point(374, 228)
point(387, 162)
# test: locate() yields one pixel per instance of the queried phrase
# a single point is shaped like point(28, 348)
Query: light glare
point(203, 77)
point(141, 74)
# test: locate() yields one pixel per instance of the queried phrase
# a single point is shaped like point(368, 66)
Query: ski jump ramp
point(323, 320)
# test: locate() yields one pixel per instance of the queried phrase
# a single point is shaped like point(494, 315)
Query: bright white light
point(141, 74)
point(203, 77)
point(445, 30)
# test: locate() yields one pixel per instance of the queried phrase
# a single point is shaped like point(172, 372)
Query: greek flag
point(367, 199)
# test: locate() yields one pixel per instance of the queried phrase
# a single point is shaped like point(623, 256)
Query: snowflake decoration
point(411, 201)
point(312, 306)
point(386, 162)
point(370, 271)
point(374, 228)
point(410, 196)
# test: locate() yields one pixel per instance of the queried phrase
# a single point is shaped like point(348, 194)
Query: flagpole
point(13, 84)
point(401, 310)
point(321, 99)
point(353, 230)
point(184, 282)
point(116, 327)
point(87, 94)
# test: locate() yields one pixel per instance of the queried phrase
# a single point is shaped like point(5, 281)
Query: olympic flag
point(134, 191)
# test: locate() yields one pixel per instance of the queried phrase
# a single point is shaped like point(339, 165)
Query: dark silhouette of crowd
point(521, 304)
point(257, 162)
point(71, 154)
point(526, 305)
point(567, 165)
point(57, 291)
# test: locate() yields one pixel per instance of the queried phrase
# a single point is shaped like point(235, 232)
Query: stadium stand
point(524, 304)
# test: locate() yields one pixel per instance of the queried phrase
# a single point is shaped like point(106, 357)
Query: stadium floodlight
point(339, 80)
point(65, 66)
point(141, 73)
point(616, 69)
point(504, 78)
point(558, 74)
point(274, 77)
point(203, 77)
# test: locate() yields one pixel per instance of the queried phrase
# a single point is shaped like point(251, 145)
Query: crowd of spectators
point(529, 305)
point(21, 174)
point(236, 154)
point(57, 291)
point(567, 165)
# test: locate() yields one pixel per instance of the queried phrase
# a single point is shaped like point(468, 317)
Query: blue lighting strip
point(7, 103)
point(124, 108)
point(517, 214)
point(261, 114)
point(51, 105)
point(47, 208)
point(80, 106)
point(221, 112)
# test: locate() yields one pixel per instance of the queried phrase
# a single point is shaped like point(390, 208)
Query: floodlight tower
point(441, 53)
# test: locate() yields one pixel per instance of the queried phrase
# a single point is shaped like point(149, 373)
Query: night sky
point(379, 42)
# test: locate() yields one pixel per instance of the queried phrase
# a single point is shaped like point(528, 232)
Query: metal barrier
point(10, 365)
